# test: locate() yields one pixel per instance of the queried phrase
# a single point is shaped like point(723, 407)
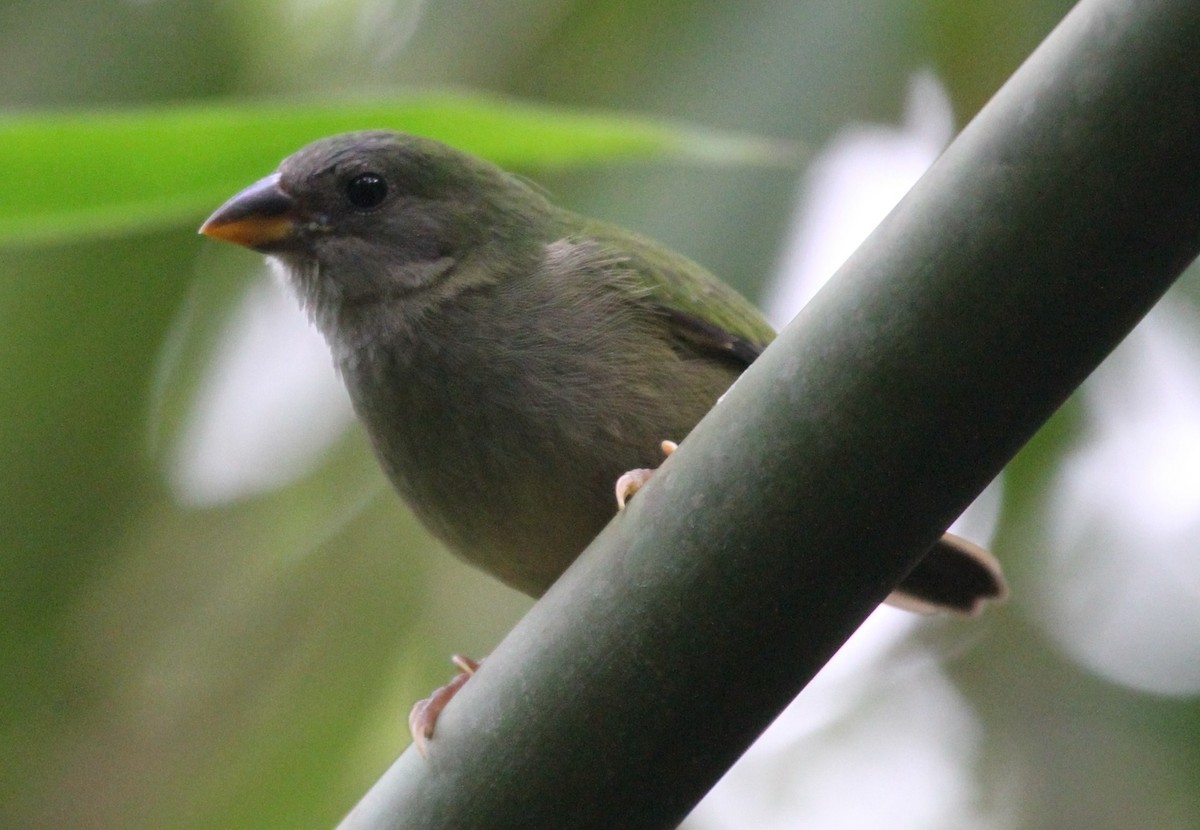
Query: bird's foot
point(423, 717)
point(635, 480)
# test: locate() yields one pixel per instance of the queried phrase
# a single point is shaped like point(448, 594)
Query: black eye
point(366, 191)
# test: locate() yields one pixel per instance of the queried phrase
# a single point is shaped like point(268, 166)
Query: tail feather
point(956, 576)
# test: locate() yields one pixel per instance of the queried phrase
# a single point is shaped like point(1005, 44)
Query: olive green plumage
point(509, 359)
point(550, 354)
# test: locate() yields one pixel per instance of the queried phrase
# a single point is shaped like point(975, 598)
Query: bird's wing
point(702, 312)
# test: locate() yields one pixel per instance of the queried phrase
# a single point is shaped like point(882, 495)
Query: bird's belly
point(520, 505)
point(513, 491)
point(508, 443)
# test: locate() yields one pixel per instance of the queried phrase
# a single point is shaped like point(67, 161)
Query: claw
point(634, 480)
point(423, 717)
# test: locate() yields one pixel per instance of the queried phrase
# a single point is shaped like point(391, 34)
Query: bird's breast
point(506, 428)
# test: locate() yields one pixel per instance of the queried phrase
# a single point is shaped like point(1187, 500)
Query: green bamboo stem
point(1038, 240)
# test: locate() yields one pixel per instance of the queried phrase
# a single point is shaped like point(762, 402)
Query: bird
point(519, 369)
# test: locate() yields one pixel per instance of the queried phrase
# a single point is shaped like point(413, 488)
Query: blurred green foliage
point(250, 664)
point(137, 171)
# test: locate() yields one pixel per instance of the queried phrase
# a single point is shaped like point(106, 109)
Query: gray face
point(381, 214)
point(375, 210)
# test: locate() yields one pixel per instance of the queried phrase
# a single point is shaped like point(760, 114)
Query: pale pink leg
point(423, 717)
point(635, 480)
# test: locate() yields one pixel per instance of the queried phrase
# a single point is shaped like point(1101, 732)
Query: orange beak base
point(262, 217)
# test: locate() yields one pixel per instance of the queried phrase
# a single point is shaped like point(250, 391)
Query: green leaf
point(64, 176)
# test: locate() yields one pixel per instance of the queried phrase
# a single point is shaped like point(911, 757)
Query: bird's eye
point(366, 191)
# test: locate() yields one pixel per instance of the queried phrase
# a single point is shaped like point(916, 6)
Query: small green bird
point(510, 360)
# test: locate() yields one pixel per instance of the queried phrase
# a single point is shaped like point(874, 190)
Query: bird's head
point(370, 214)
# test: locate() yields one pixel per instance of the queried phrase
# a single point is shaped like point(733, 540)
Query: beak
point(262, 217)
